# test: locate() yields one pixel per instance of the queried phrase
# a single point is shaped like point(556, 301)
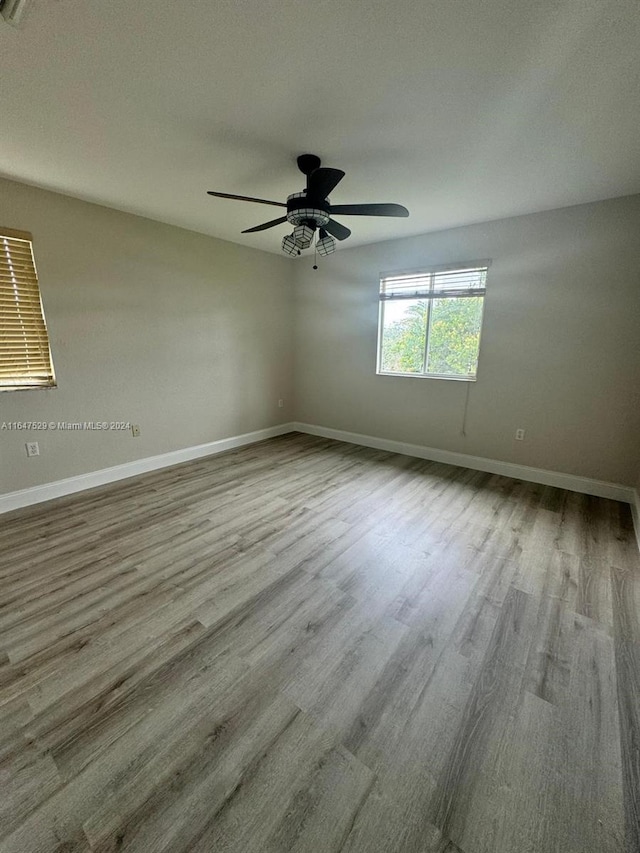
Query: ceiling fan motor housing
point(302, 210)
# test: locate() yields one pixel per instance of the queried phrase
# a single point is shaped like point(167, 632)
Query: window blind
point(436, 284)
point(25, 355)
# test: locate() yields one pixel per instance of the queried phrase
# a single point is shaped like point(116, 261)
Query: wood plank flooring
point(315, 647)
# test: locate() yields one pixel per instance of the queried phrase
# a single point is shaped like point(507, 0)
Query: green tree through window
point(454, 335)
point(404, 340)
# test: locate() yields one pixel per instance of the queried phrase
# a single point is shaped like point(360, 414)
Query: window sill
point(27, 388)
point(428, 376)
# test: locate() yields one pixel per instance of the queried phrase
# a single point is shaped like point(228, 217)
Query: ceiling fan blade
point(246, 198)
point(266, 225)
point(323, 181)
point(340, 232)
point(370, 209)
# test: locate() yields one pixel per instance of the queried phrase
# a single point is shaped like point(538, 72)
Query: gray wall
point(186, 335)
point(191, 337)
point(560, 352)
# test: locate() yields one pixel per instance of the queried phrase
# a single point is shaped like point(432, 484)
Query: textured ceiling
point(463, 110)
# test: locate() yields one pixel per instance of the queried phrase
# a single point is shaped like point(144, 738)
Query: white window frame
point(429, 272)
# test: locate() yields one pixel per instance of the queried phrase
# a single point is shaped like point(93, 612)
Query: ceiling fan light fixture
point(289, 246)
point(303, 235)
point(299, 211)
point(326, 245)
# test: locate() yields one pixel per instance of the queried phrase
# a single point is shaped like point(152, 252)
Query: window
point(25, 357)
point(430, 322)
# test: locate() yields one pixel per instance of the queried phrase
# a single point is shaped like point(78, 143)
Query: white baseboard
point(574, 483)
point(635, 512)
point(59, 488)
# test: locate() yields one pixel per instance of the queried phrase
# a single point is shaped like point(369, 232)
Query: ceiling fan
point(310, 211)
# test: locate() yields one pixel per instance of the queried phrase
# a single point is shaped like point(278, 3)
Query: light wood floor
point(310, 646)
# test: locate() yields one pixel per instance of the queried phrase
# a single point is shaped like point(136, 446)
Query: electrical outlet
point(519, 435)
point(33, 448)
point(280, 404)
point(135, 430)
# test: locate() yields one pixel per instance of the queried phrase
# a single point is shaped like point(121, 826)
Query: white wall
point(186, 335)
point(560, 353)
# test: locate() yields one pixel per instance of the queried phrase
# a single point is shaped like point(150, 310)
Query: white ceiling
point(463, 110)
